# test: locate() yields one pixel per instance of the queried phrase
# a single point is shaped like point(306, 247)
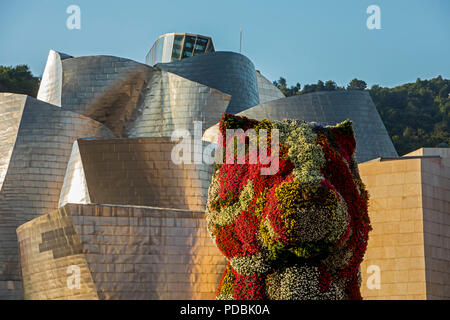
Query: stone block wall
point(396, 243)
point(410, 214)
point(436, 216)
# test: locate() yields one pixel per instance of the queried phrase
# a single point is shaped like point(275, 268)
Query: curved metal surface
point(230, 72)
point(51, 82)
point(172, 102)
point(329, 108)
point(136, 100)
point(104, 88)
point(34, 177)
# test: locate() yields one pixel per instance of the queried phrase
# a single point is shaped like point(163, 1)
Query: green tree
point(18, 79)
point(356, 84)
point(330, 86)
point(415, 114)
point(287, 91)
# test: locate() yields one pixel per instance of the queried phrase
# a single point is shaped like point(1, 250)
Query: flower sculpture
point(299, 232)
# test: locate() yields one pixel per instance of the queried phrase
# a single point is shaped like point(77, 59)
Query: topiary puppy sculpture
point(294, 230)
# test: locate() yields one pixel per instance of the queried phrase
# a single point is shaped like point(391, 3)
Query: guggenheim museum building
point(91, 205)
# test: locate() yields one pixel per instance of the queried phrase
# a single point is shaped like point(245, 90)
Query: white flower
point(250, 265)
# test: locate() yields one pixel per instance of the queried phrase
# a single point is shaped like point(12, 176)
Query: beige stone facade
point(410, 213)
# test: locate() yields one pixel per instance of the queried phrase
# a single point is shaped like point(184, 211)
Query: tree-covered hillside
point(415, 114)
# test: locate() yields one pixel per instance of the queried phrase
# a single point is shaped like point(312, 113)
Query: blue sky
point(303, 41)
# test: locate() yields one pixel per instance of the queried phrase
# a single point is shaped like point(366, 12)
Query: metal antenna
point(240, 43)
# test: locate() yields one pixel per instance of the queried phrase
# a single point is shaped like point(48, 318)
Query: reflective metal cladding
point(135, 171)
point(230, 72)
point(329, 108)
point(38, 141)
point(86, 169)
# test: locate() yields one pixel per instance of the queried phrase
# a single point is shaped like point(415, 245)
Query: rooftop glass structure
point(176, 46)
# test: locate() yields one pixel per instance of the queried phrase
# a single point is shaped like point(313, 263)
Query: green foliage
point(415, 114)
point(295, 90)
point(287, 91)
point(356, 84)
point(18, 79)
point(321, 86)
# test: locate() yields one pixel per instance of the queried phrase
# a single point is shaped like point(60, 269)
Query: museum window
point(177, 45)
point(200, 45)
point(188, 49)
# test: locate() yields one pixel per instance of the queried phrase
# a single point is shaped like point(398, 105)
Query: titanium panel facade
point(329, 108)
point(11, 108)
point(123, 252)
point(136, 100)
point(147, 239)
point(135, 172)
point(266, 90)
point(172, 102)
point(231, 73)
point(37, 165)
point(51, 83)
point(104, 88)
point(74, 189)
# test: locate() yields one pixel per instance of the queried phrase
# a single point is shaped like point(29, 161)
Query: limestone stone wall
point(396, 243)
point(410, 215)
point(131, 253)
point(436, 215)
